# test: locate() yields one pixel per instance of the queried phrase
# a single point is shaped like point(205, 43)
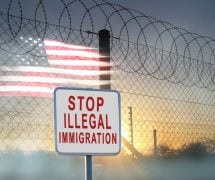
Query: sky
point(194, 15)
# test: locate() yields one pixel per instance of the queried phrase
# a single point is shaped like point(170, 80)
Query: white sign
point(87, 121)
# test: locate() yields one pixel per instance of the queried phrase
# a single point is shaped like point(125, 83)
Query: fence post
point(131, 128)
point(155, 142)
point(104, 51)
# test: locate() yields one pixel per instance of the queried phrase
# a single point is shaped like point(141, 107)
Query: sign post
point(87, 122)
point(88, 167)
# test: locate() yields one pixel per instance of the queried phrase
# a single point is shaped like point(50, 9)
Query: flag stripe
point(52, 70)
point(70, 49)
point(53, 43)
point(36, 84)
point(76, 53)
point(50, 80)
point(71, 58)
point(72, 62)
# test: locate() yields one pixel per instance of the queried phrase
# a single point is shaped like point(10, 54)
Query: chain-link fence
point(181, 114)
point(164, 73)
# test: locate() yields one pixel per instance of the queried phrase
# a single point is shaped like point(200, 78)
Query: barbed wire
point(177, 55)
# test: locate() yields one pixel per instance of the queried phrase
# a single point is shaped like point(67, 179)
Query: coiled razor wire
point(163, 50)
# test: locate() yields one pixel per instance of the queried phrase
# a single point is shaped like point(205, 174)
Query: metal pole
point(155, 142)
point(88, 167)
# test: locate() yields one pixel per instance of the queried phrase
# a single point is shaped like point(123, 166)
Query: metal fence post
point(155, 142)
point(104, 51)
point(131, 129)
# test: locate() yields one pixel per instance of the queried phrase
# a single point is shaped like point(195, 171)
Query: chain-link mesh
point(182, 114)
point(165, 73)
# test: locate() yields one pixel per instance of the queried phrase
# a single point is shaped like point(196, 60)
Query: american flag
point(49, 64)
